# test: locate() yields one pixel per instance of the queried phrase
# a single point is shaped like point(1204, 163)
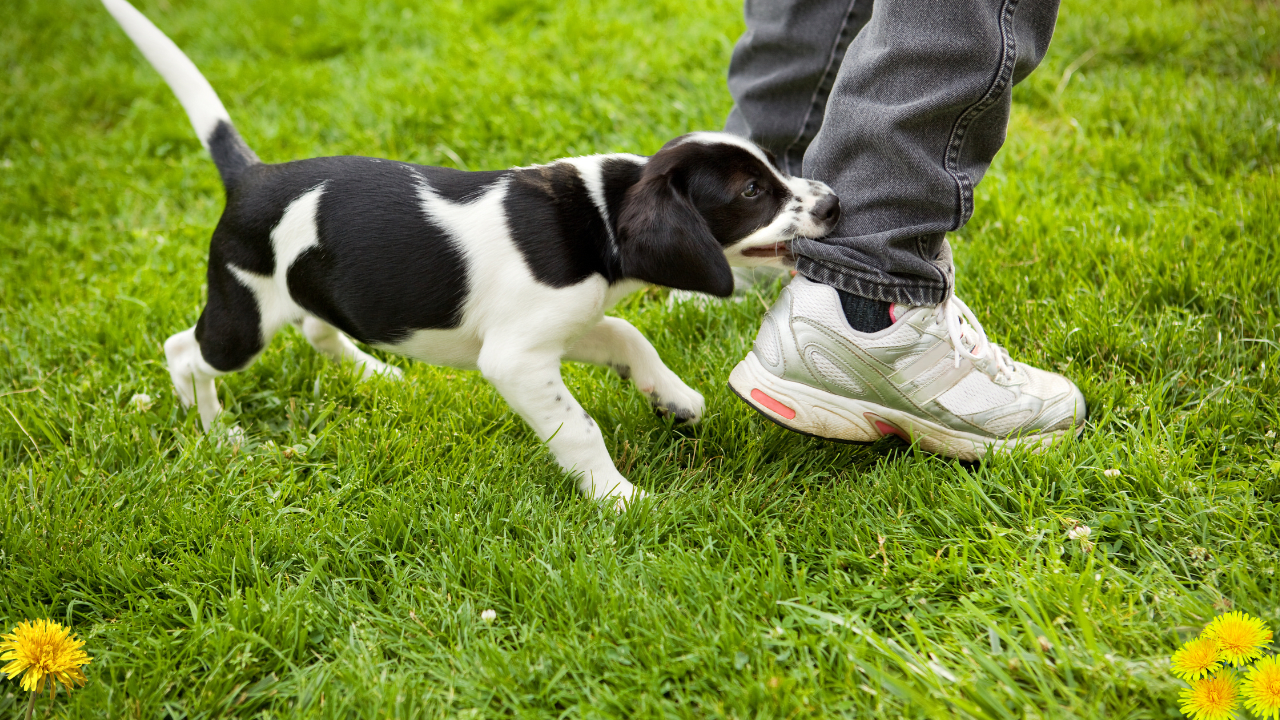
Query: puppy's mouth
point(778, 249)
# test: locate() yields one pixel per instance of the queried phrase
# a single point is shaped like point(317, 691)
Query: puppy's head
point(710, 200)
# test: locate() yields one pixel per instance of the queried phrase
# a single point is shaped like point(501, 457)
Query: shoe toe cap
point(1066, 409)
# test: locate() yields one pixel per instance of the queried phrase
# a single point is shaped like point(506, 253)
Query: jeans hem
point(874, 285)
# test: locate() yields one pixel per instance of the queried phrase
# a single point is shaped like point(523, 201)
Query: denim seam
point(1004, 73)
point(837, 53)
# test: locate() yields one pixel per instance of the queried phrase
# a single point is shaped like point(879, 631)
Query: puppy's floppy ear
point(663, 239)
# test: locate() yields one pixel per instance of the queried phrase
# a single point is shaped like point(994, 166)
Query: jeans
point(899, 109)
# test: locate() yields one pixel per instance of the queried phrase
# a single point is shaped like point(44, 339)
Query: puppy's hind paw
point(234, 437)
point(390, 372)
point(227, 437)
point(372, 368)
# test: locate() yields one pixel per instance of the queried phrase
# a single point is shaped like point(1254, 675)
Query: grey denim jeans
point(899, 108)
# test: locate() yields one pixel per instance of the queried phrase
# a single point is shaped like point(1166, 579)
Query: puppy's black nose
point(827, 211)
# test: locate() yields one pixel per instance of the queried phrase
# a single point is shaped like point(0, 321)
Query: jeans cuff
point(875, 285)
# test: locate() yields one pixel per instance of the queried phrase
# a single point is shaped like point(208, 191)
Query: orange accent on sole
point(773, 405)
point(887, 429)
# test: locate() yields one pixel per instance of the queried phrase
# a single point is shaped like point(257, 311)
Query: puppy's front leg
point(530, 382)
point(616, 343)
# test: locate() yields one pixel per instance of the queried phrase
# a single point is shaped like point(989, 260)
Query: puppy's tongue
point(780, 249)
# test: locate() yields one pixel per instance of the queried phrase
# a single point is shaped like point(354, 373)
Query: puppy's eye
point(751, 191)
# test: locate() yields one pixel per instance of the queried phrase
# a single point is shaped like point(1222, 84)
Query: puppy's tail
point(208, 116)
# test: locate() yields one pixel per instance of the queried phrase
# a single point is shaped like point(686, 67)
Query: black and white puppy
point(508, 272)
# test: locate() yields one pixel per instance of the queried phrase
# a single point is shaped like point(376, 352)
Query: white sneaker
point(931, 377)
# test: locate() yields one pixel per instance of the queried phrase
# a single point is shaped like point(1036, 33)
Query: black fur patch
point(715, 177)
point(618, 174)
point(557, 226)
point(230, 153)
point(382, 268)
point(229, 329)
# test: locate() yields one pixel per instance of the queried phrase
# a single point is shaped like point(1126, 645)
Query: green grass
point(337, 564)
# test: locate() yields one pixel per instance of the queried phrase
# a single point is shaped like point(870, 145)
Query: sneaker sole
point(815, 412)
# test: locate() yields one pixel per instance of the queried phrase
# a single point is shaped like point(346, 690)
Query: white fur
point(193, 91)
point(293, 235)
point(192, 376)
point(707, 137)
point(332, 342)
point(517, 337)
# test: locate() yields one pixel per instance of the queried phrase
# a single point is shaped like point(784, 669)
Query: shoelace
point(961, 322)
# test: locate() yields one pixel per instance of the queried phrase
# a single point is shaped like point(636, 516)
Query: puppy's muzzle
point(826, 212)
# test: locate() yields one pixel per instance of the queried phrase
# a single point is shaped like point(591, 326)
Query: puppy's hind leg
point(192, 376)
point(614, 342)
point(333, 342)
point(228, 337)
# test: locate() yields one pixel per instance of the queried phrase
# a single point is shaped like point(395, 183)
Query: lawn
point(338, 562)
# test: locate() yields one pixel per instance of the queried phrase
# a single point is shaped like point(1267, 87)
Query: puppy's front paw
point(622, 504)
point(611, 488)
point(678, 400)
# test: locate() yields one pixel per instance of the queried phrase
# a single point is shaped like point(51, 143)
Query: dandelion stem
point(31, 705)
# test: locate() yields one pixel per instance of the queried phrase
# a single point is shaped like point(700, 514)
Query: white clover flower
point(489, 615)
point(1079, 532)
point(1111, 472)
point(141, 402)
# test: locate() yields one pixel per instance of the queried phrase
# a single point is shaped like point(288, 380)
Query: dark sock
point(864, 314)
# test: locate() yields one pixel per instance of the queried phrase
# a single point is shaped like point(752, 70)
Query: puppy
point(507, 271)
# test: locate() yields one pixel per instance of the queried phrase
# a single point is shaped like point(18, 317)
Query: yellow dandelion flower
point(1262, 688)
point(1196, 659)
point(1212, 698)
point(1240, 637)
point(43, 650)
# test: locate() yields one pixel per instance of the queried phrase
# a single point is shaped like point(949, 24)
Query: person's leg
point(918, 110)
point(782, 70)
point(879, 344)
